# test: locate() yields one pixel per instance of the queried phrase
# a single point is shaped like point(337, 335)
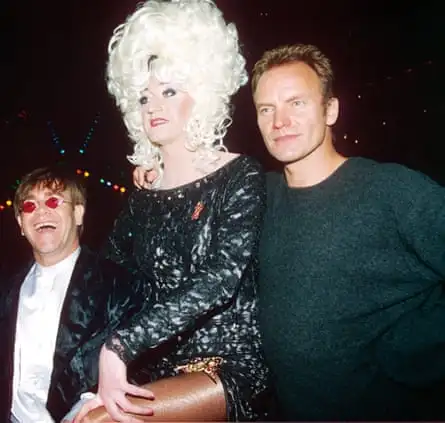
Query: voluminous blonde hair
point(194, 47)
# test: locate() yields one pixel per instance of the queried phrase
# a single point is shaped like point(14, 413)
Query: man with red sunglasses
point(56, 313)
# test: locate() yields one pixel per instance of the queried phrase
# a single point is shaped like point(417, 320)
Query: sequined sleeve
point(215, 284)
point(119, 244)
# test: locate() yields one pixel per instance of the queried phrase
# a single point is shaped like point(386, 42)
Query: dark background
point(388, 57)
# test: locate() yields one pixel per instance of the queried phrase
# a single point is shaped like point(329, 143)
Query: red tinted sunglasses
point(29, 206)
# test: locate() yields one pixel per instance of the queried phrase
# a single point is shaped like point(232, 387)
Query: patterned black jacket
point(101, 294)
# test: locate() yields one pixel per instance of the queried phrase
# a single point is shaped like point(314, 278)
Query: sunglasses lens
point(28, 206)
point(53, 202)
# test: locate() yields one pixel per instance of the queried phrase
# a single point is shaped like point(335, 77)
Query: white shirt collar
point(41, 300)
point(49, 273)
point(58, 267)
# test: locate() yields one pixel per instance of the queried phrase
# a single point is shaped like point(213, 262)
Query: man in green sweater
point(352, 262)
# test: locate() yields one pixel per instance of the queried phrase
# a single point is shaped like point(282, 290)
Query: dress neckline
point(197, 183)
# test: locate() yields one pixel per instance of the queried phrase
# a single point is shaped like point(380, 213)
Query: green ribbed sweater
point(352, 302)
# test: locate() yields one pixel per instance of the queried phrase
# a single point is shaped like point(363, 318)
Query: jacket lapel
point(8, 320)
point(76, 315)
point(10, 304)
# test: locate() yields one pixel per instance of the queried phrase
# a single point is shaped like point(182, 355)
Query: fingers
point(146, 185)
point(132, 408)
point(150, 176)
point(136, 182)
point(97, 415)
point(100, 415)
point(131, 405)
point(114, 411)
point(141, 178)
point(138, 391)
point(131, 419)
point(86, 408)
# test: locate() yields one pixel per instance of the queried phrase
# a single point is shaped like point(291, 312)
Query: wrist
point(113, 346)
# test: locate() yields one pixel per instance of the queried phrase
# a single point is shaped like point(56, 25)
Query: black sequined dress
point(197, 246)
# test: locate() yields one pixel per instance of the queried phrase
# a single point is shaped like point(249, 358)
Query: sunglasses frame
point(53, 202)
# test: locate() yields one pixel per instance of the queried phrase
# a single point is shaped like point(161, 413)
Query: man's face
point(52, 227)
point(291, 114)
point(166, 110)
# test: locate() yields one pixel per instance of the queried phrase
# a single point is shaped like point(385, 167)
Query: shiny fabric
point(99, 296)
point(197, 247)
point(40, 303)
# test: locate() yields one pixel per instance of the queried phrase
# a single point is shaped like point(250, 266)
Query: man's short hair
point(57, 179)
point(296, 53)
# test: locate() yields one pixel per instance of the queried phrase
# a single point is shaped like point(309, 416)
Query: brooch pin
point(198, 209)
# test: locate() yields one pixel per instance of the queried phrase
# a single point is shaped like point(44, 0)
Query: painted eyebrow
point(163, 84)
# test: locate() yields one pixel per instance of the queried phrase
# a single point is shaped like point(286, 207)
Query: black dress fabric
point(196, 245)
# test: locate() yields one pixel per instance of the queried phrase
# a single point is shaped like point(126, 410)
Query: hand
point(100, 415)
point(86, 408)
point(143, 178)
point(113, 388)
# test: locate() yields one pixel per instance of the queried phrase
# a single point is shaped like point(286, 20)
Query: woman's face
point(166, 110)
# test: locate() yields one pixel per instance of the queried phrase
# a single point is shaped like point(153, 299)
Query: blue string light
point(90, 134)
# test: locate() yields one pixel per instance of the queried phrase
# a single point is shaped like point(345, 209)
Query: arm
point(412, 350)
point(128, 295)
point(124, 296)
point(420, 214)
point(109, 297)
point(119, 244)
point(187, 397)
